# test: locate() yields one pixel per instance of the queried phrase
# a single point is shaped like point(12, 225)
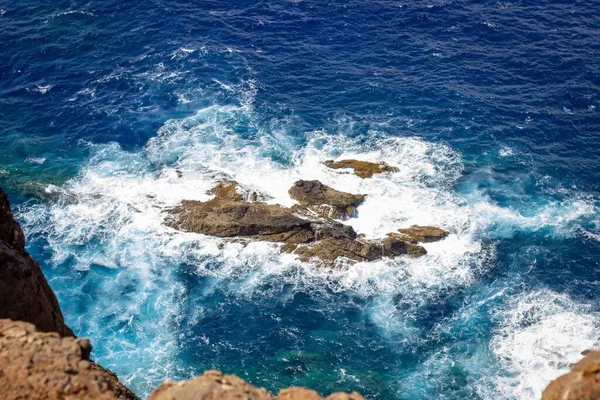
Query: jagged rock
point(332, 248)
point(324, 200)
point(230, 214)
point(24, 292)
point(363, 169)
point(44, 365)
point(214, 385)
point(424, 234)
point(581, 383)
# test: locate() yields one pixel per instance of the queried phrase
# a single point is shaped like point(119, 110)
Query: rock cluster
point(309, 229)
point(581, 383)
point(363, 169)
point(215, 385)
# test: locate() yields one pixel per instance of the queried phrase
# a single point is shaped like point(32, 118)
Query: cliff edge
point(24, 291)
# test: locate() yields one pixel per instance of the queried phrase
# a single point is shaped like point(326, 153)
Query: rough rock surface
point(325, 201)
point(10, 230)
point(330, 249)
point(215, 385)
point(363, 169)
point(44, 365)
point(24, 292)
point(229, 215)
point(581, 383)
point(310, 236)
point(424, 234)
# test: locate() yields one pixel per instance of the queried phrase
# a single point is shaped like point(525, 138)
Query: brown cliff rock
point(44, 365)
point(363, 169)
point(581, 383)
point(325, 201)
point(24, 292)
point(214, 385)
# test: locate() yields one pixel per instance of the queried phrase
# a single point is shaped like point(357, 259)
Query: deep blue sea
point(111, 112)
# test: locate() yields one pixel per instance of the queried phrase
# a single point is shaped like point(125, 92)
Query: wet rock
point(24, 292)
point(215, 385)
point(424, 234)
point(311, 237)
point(581, 383)
point(363, 169)
point(44, 365)
point(330, 249)
point(325, 201)
point(230, 215)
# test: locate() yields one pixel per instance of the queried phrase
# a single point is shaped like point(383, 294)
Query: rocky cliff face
point(24, 292)
point(46, 365)
point(581, 383)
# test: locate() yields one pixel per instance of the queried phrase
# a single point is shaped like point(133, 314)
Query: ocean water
point(111, 112)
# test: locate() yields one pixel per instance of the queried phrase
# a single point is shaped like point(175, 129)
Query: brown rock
point(363, 169)
point(330, 249)
point(581, 383)
point(24, 292)
point(227, 190)
point(424, 234)
point(41, 365)
point(308, 236)
point(298, 393)
point(214, 385)
point(324, 200)
point(227, 218)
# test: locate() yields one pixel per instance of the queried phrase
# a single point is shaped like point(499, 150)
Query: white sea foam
point(112, 215)
point(541, 334)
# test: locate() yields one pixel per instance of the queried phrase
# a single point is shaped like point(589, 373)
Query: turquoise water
point(112, 112)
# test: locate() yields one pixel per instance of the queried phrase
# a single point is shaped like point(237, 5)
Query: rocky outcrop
point(24, 292)
point(44, 365)
point(306, 230)
point(424, 234)
point(581, 383)
point(230, 215)
point(363, 169)
point(215, 385)
point(330, 249)
point(325, 201)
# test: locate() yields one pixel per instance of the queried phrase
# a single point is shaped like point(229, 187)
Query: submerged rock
point(363, 169)
point(325, 201)
point(215, 385)
point(44, 365)
point(581, 383)
point(309, 235)
point(424, 234)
